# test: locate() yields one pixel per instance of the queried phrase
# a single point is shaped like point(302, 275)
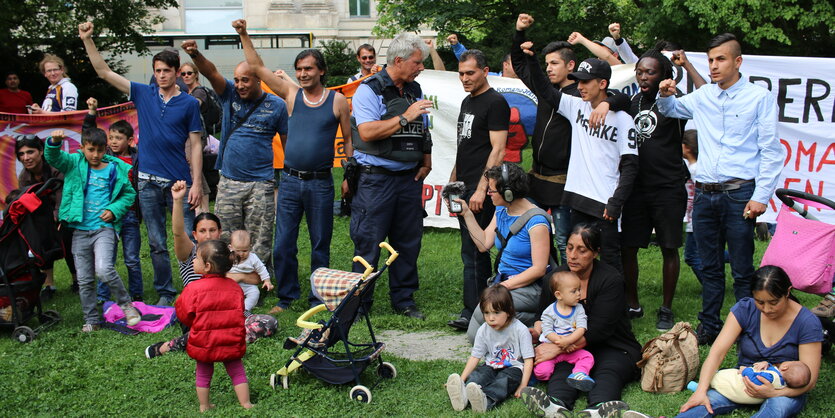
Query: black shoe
point(460, 324)
point(412, 311)
point(704, 337)
point(665, 319)
point(47, 293)
point(635, 313)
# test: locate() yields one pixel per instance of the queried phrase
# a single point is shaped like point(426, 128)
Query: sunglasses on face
point(367, 58)
point(185, 73)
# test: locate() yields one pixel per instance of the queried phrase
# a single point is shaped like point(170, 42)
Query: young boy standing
point(119, 138)
point(97, 196)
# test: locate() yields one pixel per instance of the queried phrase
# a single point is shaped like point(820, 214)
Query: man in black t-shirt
point(658, 200)
point(482, 135)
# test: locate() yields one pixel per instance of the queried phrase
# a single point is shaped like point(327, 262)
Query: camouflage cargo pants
point(248, 205)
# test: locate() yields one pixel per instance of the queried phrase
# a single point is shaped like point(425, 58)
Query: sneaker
point(164, 301)
point(825, 309)
point(153, 350)
point(477, 398)
point(704, 337)
point(580, 381)
point(605, 410)
point(456, 391)
point(635, 313)
point(47, 292)
point(90, 328)
point(132, 315)
point(665, 319)
point(540, 404)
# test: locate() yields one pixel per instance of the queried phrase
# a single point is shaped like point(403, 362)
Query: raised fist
point(92, 103)
point(524, 21)
point(430, 43)
point(452, 39)
point(240, 26)
point(85, 30)
point(190, 46)
point(575, 38)
point(667, 87)
point(614, 30)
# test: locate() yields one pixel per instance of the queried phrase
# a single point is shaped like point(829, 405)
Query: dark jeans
point(389, 206)
point(497, 384)
point(612, 370)
point(131, 241)
point(691, 255)
point(313, 199)
point(562, 228)
point(478, 266)
point(609, 238)
point(156, 203)
point(717, 219)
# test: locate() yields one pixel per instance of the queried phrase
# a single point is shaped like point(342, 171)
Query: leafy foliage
point(36, 27)
point(798, 27)
point(341, 60)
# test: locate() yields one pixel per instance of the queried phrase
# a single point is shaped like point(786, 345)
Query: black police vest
point(409, 142)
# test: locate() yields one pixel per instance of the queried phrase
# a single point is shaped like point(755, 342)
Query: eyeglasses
point(185, 73)
point(53, 70)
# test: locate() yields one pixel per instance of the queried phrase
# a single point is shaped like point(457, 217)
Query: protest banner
point(13, 126)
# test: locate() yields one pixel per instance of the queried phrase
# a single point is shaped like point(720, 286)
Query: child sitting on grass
point(119, 139)
point(212, 308)
point(97, 194)
point(564, 323)
point(505, 344)
point(729, 382)
point(247, 262)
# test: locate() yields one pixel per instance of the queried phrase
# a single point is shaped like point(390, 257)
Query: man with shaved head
point(245, 159)
point(740, 159)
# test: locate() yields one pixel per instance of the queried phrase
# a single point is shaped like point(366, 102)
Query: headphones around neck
point(504, 189)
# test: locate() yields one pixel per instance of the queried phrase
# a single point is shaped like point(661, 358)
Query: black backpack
point(213, 115)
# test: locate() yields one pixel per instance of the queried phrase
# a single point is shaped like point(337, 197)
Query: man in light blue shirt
point(740, 159)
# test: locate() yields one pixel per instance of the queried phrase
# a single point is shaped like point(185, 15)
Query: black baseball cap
point(592, 68)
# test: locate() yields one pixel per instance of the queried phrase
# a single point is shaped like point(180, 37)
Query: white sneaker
point(477, 398)
point(456, 391)
point(132, 316)
point(605, 410)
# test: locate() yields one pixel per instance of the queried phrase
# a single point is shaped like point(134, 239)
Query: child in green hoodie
point(97, 194)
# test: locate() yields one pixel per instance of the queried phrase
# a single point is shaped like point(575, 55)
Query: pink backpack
point(804, 248)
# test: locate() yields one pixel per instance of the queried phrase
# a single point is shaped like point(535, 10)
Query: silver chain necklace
point(321, 98)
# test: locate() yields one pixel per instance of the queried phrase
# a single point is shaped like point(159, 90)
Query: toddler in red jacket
point(213, 308)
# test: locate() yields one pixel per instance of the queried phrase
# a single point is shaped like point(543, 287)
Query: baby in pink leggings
point(564, 322)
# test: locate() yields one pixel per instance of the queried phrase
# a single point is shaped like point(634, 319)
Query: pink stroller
point(804, 246)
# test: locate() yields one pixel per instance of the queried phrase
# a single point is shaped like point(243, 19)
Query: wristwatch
point(403, 121)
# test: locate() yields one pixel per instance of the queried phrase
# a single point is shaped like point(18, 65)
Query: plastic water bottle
point(692, 386)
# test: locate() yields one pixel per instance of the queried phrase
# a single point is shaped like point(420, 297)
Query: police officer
point(393, 150)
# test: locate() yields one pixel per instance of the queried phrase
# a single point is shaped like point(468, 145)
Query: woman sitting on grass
point(609, 336)
point(524, 259)
point(769, 326)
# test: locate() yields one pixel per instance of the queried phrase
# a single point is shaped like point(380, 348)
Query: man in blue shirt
point(167, 119)
point(394, 156)
point(740, 159)
point(245, 159)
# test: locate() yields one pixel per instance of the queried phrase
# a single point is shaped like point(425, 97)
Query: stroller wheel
point(51, 315)
point(23, 334)
point(386, 370)
point(360, 393)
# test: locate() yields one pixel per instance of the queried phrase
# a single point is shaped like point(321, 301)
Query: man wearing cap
point(604, 160)
point(740, 159)
point(551, 140)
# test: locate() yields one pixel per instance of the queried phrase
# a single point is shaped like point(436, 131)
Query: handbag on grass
point(670, 360)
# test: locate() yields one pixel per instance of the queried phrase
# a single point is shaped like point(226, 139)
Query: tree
point(341, 61)
point(36, 27)
point(784, 27)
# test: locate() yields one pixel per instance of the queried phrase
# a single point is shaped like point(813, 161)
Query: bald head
point(247, 84)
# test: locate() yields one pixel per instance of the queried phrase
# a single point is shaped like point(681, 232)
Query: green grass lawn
point(65, 372)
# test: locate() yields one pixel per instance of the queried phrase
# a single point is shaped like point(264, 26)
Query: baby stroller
point(805, 247)
point(28, 241)
point(341, 294)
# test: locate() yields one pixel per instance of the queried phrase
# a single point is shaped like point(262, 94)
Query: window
point(359, 8)
point(212, 16)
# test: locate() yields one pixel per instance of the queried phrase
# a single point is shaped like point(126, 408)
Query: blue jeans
point(781, 406)
point(93, 254)
point(131, 241)
point(314, 200)
point(156, 203)
point(691, 255)
point(562, 228)
point(717, 219)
